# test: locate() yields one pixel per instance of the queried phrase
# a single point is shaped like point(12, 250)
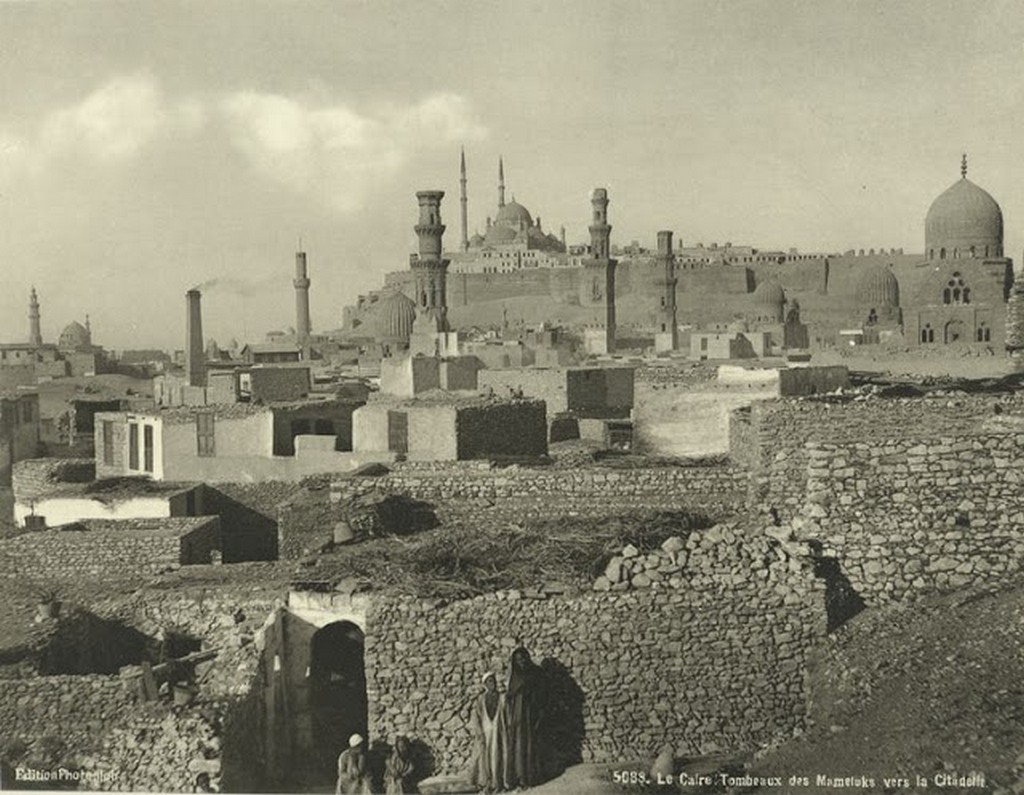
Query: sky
point(146, 148)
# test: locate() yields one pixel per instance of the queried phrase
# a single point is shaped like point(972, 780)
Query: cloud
point(336, 150)
point(114, 123)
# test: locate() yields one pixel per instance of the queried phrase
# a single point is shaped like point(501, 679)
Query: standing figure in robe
point(487, 721)
point(522, 721)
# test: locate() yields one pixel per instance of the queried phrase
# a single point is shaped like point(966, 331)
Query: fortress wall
point(773, 443)
point(912, 516)
point(716, 661)
point(808, 276)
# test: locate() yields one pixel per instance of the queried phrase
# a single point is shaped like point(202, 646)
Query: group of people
point(354, 776)
point(506, 727)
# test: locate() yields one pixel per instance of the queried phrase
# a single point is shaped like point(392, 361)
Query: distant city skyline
point(149, 148)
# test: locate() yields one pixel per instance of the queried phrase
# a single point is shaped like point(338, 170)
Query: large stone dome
point(878, 288)
point(396, 314)
point(74, 336)
point(514, 215)
point(963, 222)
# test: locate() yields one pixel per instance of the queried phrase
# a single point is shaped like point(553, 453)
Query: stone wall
point(717, 663)
point(96, 725)
point(248, 515)
point(908, 517)
point(36, 478)
point(97, 548)
point(713, 490)
point(772, 447)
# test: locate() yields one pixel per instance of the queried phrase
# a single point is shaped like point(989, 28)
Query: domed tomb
point(964, 222)
point(769, 301)
point(878, 288)
point(74, 336)
point(395, 316)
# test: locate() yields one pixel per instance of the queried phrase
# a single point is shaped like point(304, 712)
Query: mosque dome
point(500, 233)
point(769, 301)
point(395, 315)
point(964, 222)
point(878, 288)
point(514, 215)
point(476, 241)
point(74, 336)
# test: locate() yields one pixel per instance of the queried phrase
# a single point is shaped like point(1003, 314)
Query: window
point(984, 333)
point(927, 333)
point(956, 291)
point(205, 434)
point(108, 442)
point(133, 446)
point(147, 448)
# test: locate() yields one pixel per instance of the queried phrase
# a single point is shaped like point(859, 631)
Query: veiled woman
point(522, 720)
point(488, 725)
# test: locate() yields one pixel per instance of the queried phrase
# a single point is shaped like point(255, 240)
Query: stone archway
point(337, 692)
point(955, 332)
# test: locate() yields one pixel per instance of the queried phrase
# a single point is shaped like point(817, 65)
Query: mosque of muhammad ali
point(954, 294)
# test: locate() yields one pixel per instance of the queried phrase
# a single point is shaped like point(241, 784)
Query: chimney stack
point(195, 357)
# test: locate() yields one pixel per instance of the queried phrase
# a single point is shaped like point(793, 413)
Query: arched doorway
point(337, 690)
point(955, 332)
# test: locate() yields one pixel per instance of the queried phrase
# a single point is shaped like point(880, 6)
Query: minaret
point(301, 283)
point(501, 183)
point(464, 243)
point(667, 320)
point(599, 269)
point(430, 268)
point(564, 248)
point(963, 166)
point(35, 336)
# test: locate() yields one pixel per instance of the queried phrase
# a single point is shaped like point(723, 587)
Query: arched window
point(956, 291)
point(984, 333)
point(927, 333)
point(942, 253)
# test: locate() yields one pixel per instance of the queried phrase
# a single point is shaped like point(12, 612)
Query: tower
point(301, 283)
point(501, 183)
point(195, 357)
point(35, 336)
point(599, 273)
point(429, 267)
point(667, 336)
point(464, 243)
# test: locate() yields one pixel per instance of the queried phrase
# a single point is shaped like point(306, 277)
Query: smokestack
point(301, 283)
point(195, 357)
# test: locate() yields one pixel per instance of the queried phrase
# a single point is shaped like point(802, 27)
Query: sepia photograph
point(477, 396)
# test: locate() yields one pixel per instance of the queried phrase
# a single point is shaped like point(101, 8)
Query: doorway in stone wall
point(337, 691)
point(955, 332)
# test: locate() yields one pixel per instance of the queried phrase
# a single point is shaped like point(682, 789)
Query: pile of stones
point(632, 569)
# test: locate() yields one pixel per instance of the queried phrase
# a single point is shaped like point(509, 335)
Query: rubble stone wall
point(914, 516)
point(712, 489)
point(771, 446)
point(715, 662)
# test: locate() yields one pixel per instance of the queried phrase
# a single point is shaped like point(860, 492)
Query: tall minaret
point(301, 283)
point(599, 269)
point(430, 268)
point(465, 220)
point(35, 336)
point(667, 318)
point(501, 182)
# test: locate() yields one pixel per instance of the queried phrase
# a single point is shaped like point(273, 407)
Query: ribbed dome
point(769, 302)
point(515, 215)
point(74, 336)
point(878, 288)
point(394, 318)
point(769, 293)
point(964, 221)
point(500, 234)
